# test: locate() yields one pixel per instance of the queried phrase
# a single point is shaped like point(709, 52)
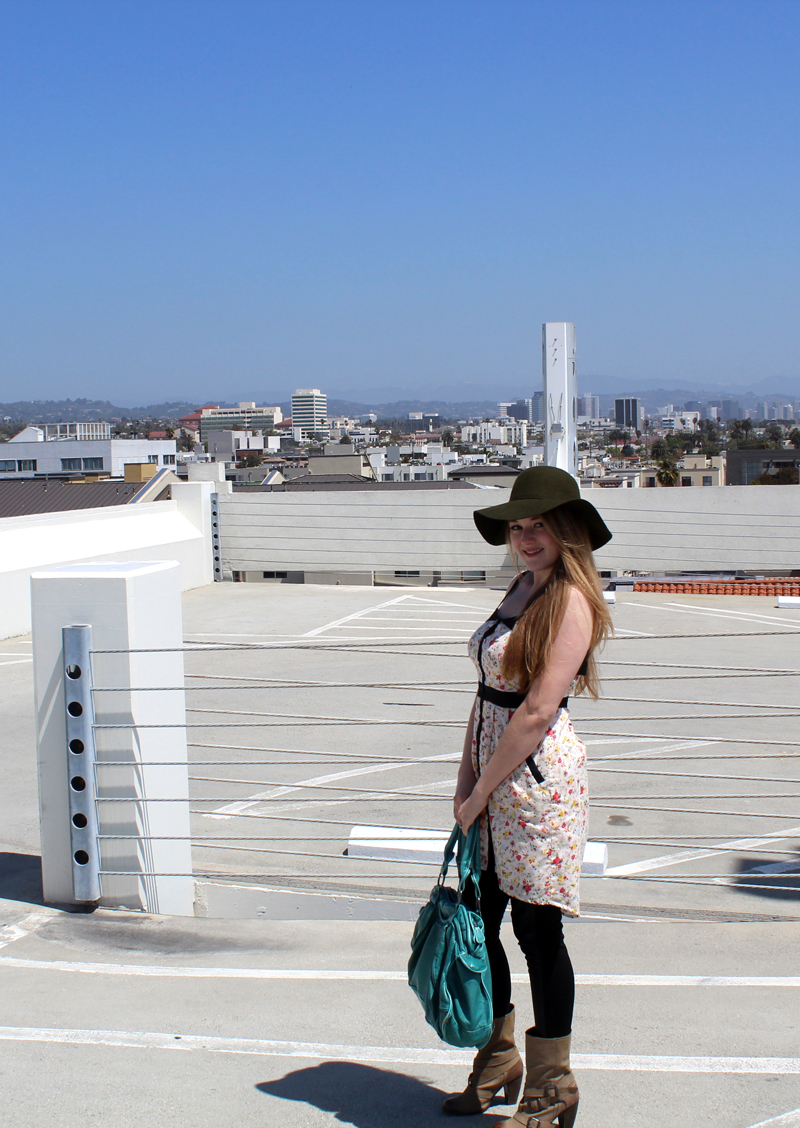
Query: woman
point(523, 774)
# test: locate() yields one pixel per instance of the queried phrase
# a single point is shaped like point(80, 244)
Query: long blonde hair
point(531, 640)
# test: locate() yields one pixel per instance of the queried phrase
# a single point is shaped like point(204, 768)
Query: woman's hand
point(465, 782)
point(470, 810)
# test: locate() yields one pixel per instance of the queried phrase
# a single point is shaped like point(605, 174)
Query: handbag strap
point(469, 857)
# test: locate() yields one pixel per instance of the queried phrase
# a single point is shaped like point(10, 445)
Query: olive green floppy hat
point(537, 491)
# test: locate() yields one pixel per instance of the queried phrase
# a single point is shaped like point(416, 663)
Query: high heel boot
point(497, 1065)
point(550, 1096)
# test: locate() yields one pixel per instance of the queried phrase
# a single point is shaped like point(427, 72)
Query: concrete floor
point(307, 1023)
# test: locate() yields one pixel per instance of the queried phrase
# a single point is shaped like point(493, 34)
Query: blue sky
point(231, 199)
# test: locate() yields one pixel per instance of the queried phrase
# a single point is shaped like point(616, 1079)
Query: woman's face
point(533, 543)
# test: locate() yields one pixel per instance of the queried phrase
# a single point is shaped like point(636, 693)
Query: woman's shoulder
point(578, 605)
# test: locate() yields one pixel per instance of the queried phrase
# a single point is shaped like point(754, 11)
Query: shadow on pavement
point(21, 878)
point(773, 881)
point(362, 1095)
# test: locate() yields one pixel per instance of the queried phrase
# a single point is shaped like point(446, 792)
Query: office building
point(31, 454)
point(309, 412)
point(520, 409)
point(246, 417)
point(731, 410)
point(629, 414)
point(589, 407)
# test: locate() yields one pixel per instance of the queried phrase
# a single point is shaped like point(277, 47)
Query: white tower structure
point(560, 394)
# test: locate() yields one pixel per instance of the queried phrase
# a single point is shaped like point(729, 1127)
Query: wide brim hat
point(537, 491)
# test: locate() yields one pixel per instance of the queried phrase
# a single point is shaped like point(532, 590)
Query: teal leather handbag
point(449, 968)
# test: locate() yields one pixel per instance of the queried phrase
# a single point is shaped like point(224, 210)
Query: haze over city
point(387, 201)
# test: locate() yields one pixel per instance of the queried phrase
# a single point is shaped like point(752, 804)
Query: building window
point(26, 464)
point(236, 577)
point(651, 482)
point(686, 481)
point(153, 458)
point(8, 464)
point(70, 464)
point(93, 464)
point(402, 573)
point(169, 459)
point(275, 575)
point(708, 480)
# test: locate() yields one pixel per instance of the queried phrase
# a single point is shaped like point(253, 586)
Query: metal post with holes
point(215, 538)
point(79, 712)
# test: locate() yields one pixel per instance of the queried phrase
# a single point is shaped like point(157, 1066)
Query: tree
point(783, 476)
point(627, 451)
point(447, 436)
point(658, 450)
point(667, 472)
point(774, 433)
point(618, 436)
point(794, 438)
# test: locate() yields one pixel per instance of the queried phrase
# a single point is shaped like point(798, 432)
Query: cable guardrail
point(290, 848)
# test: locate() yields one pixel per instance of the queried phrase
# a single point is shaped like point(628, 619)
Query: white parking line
point(18, 662)
point(402, 1055)
point(24, 927)
point(721, 613)
point(682, 856)
point(164, 971)
point(351, 773)
point(642, 752)
point(787, 1120)
point(349, 618)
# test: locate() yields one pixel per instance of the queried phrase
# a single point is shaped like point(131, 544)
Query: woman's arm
point(526, 729)
point(466, 774)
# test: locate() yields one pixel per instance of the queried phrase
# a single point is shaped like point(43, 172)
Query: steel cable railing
point(323, 792)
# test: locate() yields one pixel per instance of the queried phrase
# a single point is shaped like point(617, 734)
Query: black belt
point(513, 701)
point(507, 700)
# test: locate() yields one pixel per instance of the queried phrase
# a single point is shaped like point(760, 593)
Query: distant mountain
point(87, 411)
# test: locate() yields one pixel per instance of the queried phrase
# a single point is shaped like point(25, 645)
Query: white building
point(32, 454)
point(496, 434)
point(681, 421)
point(309, 412)
point(588, 407)
point(246, 417)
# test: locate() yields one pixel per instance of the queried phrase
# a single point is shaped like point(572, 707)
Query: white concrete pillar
point(130, 606)
point(560, 390)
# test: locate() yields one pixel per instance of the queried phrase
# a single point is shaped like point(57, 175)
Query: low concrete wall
point(754, 528)
point(715, 528)
point(162, 530)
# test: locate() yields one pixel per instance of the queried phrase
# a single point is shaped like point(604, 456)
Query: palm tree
point(667, 473)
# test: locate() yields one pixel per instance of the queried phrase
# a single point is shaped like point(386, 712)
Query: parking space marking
point(351, 773)
point(22, 928)
point(17, 662)
point(787, 1120)
point(164, 971)
point(401, 1055)
point(430, 605)
point(721, 613)
point(348, 618)
point(640, 753)
point(681, 856)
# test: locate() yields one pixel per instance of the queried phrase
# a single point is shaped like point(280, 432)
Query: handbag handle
point(469, 854)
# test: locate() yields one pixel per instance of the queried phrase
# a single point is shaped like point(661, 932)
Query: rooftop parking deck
point(686, 950)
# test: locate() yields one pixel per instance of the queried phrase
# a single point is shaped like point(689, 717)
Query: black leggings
point(540, 934)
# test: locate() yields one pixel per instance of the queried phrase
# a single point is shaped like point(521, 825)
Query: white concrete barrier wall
point(680, 529)
point(177, 530)
point(129, 606)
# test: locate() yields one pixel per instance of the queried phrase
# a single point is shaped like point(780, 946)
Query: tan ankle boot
point(551, 1091)
point(497, 1065)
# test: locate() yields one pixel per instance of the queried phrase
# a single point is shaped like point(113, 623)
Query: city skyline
point(235, 200)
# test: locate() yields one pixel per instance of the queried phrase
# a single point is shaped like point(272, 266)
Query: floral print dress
point(538, 815)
